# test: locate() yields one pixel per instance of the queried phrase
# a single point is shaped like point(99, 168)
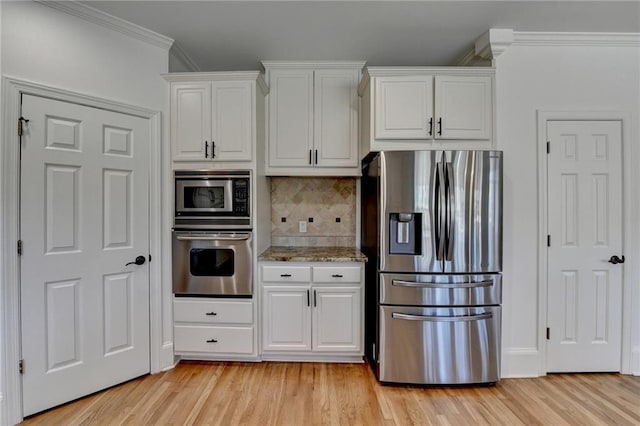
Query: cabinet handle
point(206, 149)
point(316, 156)
point(308, 301)
point(315, 299)
point(285, 275)
point(213, 314)
point(337, 275)
point(310, 157)
point(213, 149)
point(440, 126)
point(212, 341)
point(431, 126)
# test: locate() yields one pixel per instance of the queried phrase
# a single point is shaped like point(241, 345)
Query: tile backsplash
point(328, 205)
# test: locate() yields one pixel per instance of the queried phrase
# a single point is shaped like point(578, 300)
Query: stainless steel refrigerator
point(432, 228)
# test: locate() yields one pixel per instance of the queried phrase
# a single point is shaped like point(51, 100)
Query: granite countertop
point(312, 254)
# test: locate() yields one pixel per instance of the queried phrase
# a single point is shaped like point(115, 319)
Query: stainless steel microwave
point(212, 199)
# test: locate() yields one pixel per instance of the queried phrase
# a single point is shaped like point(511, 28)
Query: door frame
point(10, 341)
point(628, 314)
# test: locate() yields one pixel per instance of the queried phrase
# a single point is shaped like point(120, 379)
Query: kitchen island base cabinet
point(214, 329)
point(312, 311)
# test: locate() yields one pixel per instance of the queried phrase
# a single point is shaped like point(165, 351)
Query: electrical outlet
point(302, 226)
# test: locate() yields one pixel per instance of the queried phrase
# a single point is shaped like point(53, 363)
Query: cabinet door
point(464, 106)
point(190, 120)
point(290, 118)
point(336, 118)
point(286, 318)
point(337, 316)
point(232, 121)
point(403, 107)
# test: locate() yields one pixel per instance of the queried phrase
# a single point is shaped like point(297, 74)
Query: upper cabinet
point(313, 118)
point(422, 108)
point(213, 115)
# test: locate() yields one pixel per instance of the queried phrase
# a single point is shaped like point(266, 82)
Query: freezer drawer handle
point(441, 285)
point(239, 237)
point(465, 318)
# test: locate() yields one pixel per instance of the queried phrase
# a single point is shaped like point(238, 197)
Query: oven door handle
point(430, 318)
point(240, 237)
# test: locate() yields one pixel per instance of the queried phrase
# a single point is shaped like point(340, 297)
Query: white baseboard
point(167, 361)
point(520, 362)
point(635, 361)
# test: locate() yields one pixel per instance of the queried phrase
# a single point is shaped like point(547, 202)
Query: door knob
point(615, 259)
point(139, 261)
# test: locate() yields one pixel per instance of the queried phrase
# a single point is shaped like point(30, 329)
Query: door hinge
point(548, 147)
point(548, 240)
point(20, 121)
point(21, 366)
point(548, 333)
point(19, 247)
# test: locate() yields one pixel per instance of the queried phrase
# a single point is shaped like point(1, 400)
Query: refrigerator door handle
point(474, 284)
point(429, 318)
point(440, 200)
point(449, 211)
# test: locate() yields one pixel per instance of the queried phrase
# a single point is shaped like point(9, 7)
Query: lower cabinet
point(312, 308)
point(207, 328)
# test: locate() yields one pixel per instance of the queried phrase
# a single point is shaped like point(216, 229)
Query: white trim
point(520, 362)
point(179, 53)
point(525, 38)
point(493, 43)
point(9, 267)
point(629, 310)
point(95, 16)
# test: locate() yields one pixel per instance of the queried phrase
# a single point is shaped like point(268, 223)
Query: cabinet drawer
point(299, 274)
point(336, 274)
point(213, 339)
point(213, 311)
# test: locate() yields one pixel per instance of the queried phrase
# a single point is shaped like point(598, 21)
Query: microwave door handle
point(213, 238)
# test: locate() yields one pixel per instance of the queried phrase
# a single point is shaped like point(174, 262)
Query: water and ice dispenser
point(405, 233)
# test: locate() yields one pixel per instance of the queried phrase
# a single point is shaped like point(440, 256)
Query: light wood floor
point(272, 393)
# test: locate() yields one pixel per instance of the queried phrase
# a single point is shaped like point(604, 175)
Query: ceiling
point(236, 35)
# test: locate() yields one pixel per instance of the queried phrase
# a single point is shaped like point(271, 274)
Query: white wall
point(555, 78)
point(45, 46)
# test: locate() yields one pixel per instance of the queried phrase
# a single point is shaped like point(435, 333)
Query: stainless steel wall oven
point(212, 238)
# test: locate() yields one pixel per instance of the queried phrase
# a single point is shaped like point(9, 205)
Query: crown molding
point(178, 52)
point(95, 16)
point(525, 38)
point(487, 48)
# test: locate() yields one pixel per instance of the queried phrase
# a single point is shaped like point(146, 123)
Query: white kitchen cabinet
point(286, 318)
point(407, 108)
point(312, 309)
point(336, 319)
point(313, 118)
point(213, 116)
point(206, 328)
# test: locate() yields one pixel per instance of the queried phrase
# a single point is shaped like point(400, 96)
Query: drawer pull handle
point(213, 314)
point(285, 275)
point(431, 318)
point(426, 284)
point(212, 341)
point(337, 275)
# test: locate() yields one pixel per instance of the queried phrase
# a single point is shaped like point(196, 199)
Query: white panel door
point(290, 118)
point(585, 227)
point(336, 118)
point(286, 318)
point(337, 319)
point(84, 212)
point(463, 107)
point(404, 107)
point(191, 121)
point(232, 121)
